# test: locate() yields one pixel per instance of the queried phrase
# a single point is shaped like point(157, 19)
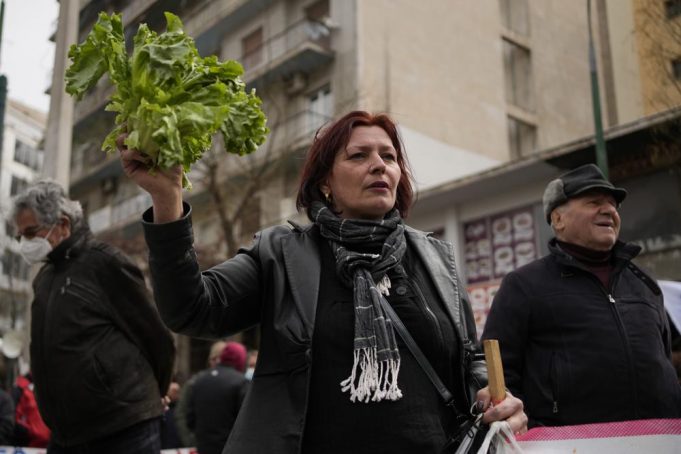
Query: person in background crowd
point(250, 363)
point(6, 414)
point(170, 438)
point(331, 375)
point(101, 357)
point(6, 419)
point(216, 398)
point(583, 332)
point(187, 436)
point(29, 429)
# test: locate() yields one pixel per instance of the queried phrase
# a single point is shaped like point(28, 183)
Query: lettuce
point(169, 99)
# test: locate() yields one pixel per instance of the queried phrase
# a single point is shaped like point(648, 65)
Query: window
point(515, 16)
point(317, 15)
point(251, 48)
point(28, 156)
point(672, 8)
point(676, 68)
point(522, 137)
point(320, 108)
point(15, 264)
point(317, 11)
point(18, 185)
point(518, 75)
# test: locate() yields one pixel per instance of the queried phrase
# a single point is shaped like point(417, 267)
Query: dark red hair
point(333, 138)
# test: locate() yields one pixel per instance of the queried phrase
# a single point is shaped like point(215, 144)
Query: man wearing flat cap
point(583, 333)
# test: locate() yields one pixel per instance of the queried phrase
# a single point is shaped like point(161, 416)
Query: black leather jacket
point(576, 352)
point(275, 282)
point(101, 357)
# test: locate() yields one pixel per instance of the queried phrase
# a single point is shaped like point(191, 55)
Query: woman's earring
point(327, 196)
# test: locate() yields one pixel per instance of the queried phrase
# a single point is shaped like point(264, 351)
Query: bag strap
point(418, 354)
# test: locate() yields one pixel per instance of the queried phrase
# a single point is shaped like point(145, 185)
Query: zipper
point(429, 313)
point(79, 290)
point(555, 384)
point(620, 326)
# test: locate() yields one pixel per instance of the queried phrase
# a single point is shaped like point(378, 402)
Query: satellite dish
point(12, 343)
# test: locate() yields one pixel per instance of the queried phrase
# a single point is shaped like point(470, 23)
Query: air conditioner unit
point(295, 84)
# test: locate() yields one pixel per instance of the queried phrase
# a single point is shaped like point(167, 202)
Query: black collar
point(70, 247)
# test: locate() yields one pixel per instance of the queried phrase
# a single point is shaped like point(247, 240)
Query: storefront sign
point(494, 246)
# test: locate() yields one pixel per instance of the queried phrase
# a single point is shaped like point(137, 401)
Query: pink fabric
point(605, 430)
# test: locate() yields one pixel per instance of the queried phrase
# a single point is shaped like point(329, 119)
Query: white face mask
point(36, 249)
point(249, 373)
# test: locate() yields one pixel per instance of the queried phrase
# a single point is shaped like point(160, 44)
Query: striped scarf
point(376, 356)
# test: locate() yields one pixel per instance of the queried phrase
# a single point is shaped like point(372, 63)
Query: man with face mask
point(101, 357)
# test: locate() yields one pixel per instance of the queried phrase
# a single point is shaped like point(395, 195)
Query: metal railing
point(281, 43)
point(118, 214)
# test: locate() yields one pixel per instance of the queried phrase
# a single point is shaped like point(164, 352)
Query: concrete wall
point(437, 66)
point(559, 45)
point(625, 62)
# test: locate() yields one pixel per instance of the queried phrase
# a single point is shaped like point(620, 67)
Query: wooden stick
point(495, 370)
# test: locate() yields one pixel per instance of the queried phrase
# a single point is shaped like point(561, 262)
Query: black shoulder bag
point(470, 432)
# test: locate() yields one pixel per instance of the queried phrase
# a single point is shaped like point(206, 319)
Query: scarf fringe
point(377, 380)
point(384, 285)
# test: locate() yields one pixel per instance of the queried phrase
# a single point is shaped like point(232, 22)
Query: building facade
point(21, 160)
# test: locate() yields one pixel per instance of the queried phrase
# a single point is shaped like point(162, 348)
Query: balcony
point(119, 214)
point(302, 48)
point(93, 101)
point(298, 130)
point(108, 166)
point(209, 24)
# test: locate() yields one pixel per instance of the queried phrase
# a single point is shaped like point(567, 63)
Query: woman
point(323, 383)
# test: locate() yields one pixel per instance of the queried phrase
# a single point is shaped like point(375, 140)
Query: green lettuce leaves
point(170, 99)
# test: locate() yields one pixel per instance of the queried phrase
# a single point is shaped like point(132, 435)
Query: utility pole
point(601, 151)
point(3, 86)
point(60, 118)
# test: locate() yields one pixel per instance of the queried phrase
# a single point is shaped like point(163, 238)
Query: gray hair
point(48, 201)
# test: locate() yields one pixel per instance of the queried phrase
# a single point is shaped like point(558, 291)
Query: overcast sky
point(27, 55)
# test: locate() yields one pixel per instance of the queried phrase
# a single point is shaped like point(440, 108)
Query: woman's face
point(363, 180)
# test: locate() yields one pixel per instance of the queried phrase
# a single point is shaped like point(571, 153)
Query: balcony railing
point(298, 129)
point(303, 47)
point(119, 214)
point(94, 100)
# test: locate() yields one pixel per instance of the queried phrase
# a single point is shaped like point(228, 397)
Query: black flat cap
point(576, 182)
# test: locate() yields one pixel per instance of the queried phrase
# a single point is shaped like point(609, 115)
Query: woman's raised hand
point(164, 186)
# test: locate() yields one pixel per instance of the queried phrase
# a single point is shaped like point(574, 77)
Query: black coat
point(576, 352)
point(215, 398)
point(6, 419)
point(275, 282)
point(101, 357)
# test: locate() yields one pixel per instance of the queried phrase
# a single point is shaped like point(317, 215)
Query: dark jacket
point(214, 402)
point(275, 282)
point(6, 419)
point(576, 352)
point(101, 357)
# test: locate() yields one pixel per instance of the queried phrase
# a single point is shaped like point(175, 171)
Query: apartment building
point(21, 159)
point(472, 84)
